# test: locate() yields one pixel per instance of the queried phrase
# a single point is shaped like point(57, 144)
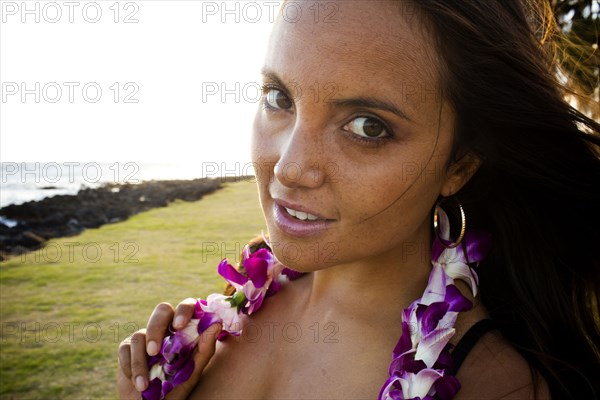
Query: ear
point(459, 173)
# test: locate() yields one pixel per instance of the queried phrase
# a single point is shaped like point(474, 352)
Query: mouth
point(298, 221)
point(299, 212)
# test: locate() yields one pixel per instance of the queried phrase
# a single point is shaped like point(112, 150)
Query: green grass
point(65, 308)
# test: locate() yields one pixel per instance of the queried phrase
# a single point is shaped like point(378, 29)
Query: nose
point(303, 158)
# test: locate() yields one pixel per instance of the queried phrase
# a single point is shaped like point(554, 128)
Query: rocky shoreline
point(68, 215)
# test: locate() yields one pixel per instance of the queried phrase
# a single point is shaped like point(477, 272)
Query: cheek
point(400, 183)
point(264, 157)
point(387, 206)
point(386, 203)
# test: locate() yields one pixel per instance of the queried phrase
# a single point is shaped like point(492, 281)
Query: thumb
point(203, 352)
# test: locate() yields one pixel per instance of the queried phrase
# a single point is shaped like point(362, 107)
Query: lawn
point(65, 308)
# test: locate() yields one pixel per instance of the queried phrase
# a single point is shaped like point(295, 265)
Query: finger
point(158, 326)
point(184, 313)
point(125, 358)
point(202, 355)
point(139, 360)
point(206, 346)
point(125, 388)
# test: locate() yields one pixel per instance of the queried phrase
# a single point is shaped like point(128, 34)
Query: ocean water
point(21, 182)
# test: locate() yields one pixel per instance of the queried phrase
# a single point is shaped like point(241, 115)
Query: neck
point(390, 281)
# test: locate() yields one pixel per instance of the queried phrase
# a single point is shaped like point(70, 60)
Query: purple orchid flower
point(260, 267)
point(224, 311)
point(411, 386)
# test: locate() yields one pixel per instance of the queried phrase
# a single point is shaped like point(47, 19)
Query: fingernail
point(178, 321)
point(152, 348)
point(140, 383)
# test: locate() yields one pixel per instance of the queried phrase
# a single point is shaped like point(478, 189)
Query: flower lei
point(174, 363)
point(420, 360)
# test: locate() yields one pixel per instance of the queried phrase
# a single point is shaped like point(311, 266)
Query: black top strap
point(469, 339)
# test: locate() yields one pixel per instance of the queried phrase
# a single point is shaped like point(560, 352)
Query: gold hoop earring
point(441, 223)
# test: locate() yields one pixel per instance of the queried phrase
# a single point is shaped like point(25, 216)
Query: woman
point(421, 108)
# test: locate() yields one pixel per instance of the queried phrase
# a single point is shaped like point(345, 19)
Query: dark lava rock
point(67, 215)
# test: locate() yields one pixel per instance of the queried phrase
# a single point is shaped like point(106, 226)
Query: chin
point(303, 255)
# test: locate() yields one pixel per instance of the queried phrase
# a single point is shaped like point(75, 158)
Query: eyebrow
point(368, 102)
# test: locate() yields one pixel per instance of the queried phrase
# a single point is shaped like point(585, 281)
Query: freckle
point(323, 372)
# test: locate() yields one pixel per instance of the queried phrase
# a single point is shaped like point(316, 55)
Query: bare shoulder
point(495, 370)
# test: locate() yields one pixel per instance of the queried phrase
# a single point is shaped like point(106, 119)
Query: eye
point(367, 127)
point(276, 99)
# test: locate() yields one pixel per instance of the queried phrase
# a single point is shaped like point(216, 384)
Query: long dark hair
point(538, 187)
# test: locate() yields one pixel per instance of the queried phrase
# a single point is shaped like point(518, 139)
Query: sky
point(130, 81)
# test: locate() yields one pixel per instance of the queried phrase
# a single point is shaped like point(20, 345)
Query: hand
point(132, 375)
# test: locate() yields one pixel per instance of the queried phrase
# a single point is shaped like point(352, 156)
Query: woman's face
point(353, 136)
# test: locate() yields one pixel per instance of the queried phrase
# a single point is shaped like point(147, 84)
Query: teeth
point(301, 215)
